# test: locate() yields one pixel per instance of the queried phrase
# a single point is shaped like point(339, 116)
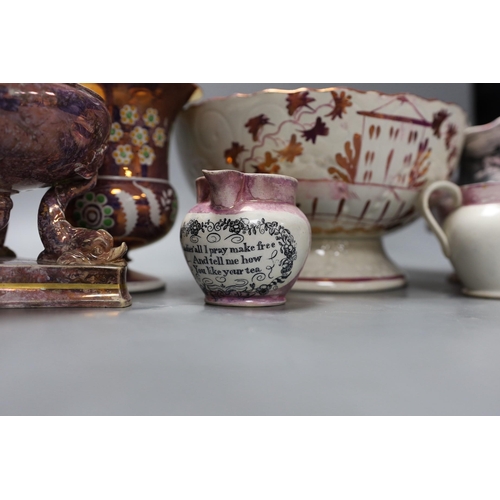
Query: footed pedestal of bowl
point(348, 265)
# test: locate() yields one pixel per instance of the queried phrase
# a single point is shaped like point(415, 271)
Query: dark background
point(486, 98)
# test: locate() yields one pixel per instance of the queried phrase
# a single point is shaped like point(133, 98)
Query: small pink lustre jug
point(245, 241)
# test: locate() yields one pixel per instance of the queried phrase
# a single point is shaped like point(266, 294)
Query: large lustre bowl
point(361, 159)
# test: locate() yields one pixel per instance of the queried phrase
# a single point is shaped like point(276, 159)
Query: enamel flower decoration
point(123, 154)
point(93, 212)
point(166, 198)
point(129, 114)
point(116, 132)
point(151, 118)
point(159, 137)
point(146, 155)
point(139, 136)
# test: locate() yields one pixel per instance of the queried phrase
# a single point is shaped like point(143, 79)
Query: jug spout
point(225, 187)
point(202, 190)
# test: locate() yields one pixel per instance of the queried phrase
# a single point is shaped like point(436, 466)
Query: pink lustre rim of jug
point(481, 193)
point(253, 174)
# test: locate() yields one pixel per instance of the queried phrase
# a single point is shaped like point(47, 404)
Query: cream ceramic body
point(361, 159)
point(470, 234)
point(244, 243)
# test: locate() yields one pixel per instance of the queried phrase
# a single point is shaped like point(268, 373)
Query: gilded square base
point(27, 284)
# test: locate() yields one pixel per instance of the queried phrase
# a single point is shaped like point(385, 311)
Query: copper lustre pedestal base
point(27, 284)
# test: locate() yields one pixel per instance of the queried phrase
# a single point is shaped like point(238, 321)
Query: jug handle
point(456, 193)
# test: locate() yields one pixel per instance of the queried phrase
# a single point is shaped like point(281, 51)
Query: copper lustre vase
point(133, 199)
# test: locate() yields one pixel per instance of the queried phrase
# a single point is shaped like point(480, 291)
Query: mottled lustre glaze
point(54, 135)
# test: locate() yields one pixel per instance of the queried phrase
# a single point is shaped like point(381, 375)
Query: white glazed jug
point(470, 234)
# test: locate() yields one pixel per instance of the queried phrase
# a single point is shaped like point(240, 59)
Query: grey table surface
point(421, 350)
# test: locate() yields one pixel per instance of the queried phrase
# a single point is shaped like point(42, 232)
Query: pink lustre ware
point(245, 241)
point(361, 160)
point(54, 135)
point(133, 199)
point(470, 234)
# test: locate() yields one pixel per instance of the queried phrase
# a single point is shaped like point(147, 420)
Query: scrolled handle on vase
point(470, 234)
